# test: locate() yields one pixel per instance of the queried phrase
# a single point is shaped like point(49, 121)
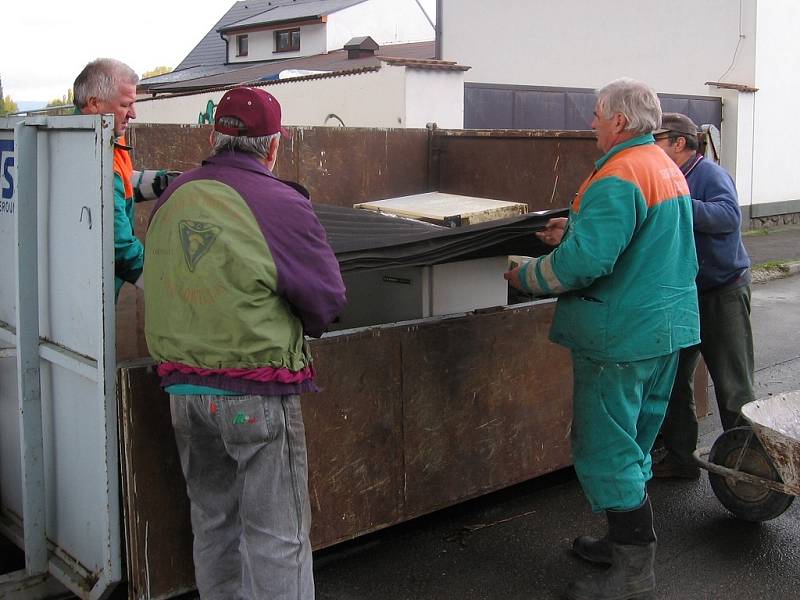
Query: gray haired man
point(108, 86)
point(239, 271)
point(624, 268)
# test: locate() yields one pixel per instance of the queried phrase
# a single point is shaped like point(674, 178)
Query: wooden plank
point(355, 436)
point(446, 209)
point(487, 403)
point(158, 529)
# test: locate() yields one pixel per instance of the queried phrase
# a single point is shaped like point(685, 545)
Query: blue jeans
point(244, 461)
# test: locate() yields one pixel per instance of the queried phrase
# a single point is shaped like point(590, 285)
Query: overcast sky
point(42, 51)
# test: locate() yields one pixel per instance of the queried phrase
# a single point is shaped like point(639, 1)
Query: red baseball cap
point(258, 110)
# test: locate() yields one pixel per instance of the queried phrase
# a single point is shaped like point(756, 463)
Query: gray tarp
point(364, 240)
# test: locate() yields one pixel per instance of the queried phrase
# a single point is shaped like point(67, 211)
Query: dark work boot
point(596, 550)
point(632, 543)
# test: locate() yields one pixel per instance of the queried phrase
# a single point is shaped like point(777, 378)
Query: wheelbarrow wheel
point(746, 501)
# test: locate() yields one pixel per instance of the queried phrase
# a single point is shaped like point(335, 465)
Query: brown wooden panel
point(411, 417)
point(487, 403)
point(158, 531)
point(354, 433)
point(543, 169)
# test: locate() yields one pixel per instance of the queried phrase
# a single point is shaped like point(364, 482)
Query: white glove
point(149, 185)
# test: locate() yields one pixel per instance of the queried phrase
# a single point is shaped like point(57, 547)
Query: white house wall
point(776, 177)
point(434, 97)
point(675, 46)
point(372, 99)
point(261, 44)
point(175, 109)
point(385, 21)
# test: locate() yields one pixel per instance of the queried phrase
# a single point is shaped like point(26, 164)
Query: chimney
point(361, 47)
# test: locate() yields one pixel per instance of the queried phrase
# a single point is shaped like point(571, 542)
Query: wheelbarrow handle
point(701, 454)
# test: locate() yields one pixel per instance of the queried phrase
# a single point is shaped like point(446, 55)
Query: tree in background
point(156, 71)
point(7, 105)
point(65, 100)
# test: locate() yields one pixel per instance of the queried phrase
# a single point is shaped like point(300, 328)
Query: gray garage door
point(491, 106)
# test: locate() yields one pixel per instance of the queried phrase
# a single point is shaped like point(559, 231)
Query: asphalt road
point(514, 544)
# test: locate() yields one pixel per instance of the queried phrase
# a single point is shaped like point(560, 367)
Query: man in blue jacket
point(723, 286)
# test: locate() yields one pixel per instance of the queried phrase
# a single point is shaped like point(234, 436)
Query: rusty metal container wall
point(344, 166)
point(412, 416)
point(340, 166)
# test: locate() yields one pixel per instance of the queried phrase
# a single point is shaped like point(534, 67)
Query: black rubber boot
point(596, 550)
point(632, 543)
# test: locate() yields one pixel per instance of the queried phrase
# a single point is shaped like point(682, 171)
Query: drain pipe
point(224, 39)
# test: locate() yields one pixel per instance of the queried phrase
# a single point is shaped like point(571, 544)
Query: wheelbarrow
point(755, 470)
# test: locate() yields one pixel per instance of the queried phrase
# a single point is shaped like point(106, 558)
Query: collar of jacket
point(639, 140)
point(239, 160)
point(690, 164)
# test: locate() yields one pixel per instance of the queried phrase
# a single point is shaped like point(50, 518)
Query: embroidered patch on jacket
point(197, 239)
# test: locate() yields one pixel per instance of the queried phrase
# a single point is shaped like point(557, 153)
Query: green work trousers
point(727, 347)
point(617, 412)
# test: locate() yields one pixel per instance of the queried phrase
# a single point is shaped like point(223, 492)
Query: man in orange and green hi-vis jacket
point(624, 270)
point(108, 86)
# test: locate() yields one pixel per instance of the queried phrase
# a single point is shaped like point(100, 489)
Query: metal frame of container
point(61, 334)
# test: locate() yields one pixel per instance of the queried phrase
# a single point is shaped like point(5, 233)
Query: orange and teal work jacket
point(128, 250)
point(626, 266)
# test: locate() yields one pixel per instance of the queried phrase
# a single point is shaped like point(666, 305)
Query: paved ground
point(768, 245)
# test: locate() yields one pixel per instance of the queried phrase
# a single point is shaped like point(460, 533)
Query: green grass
point(771, 266)
point(755, 232)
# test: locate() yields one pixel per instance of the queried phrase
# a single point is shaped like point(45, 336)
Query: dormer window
point(241, 45)
point(287, 40)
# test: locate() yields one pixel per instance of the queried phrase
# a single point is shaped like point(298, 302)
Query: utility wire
point(738, 43)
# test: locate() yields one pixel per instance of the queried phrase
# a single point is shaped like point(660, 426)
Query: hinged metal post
point(29, 387)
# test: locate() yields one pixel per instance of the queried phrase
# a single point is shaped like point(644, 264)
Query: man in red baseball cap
point(238, 270)
point(257, 110)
